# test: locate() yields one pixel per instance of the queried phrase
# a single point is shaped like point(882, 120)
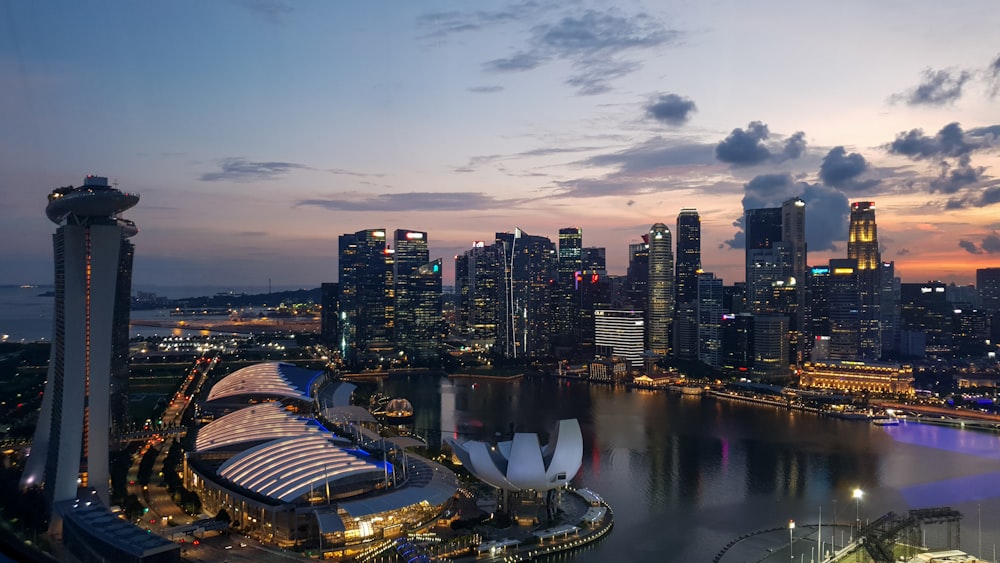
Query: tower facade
point(688, 234)
point(366, 293)
point(525, 325)
point(638, 273)
point(862, 246)
point(411, 253)
point(661, 291)
point(570, 262)
point(71, 442)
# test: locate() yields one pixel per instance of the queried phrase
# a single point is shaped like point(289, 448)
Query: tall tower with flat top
point(93, 261)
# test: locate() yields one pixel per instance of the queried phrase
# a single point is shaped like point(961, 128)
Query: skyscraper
point(525, 325)
point(844, 309)
point(862, 245)
point(661, 292)
point(638, 273)
point(793, 233)
point(411, 253)
point(92, 262)
point(425, 324)
point(709, 314)
point(479, 272)
point(686, 284)
point(366, 293)
point(570, 262)
point(763, 229)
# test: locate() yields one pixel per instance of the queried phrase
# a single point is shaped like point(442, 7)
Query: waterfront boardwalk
point(570, 530)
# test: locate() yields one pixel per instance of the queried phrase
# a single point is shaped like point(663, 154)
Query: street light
point(857, 494)
point(791, 528)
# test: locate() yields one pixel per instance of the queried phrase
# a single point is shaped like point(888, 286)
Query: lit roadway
point(155, 496)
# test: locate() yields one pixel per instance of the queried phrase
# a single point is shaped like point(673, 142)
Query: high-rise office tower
point(688, 255)
point(570, 262)
point(425, 325)
point(462, 292)
point(988, 286)
point(793, 233)
point(482, 283)
point(688, 235)
point(709, 312)
point(366, 293)
point(71, 442)
point(763, 229)
point(329, 321)
point(844, 312)
point(595, 259)
point(621, 332)
point(770, 346)
point(526, 320)
point(925, 319)
point(817, 284)
point(410, 254)
point(660, 311)
point(638, 273)
point(862, 246)
point(889, 309)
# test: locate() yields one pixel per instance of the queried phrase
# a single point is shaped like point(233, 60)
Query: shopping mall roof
point(288, 468)
point(273, 379)
point(257, 423)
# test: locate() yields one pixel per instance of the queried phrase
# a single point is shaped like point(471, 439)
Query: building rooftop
point(278, 380)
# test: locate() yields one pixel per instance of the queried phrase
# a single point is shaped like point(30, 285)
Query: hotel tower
point(92, 285)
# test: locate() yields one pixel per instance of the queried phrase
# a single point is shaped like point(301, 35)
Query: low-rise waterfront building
point(852, 376)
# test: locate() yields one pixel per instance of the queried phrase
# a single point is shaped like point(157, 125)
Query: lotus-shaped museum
point(523, 464)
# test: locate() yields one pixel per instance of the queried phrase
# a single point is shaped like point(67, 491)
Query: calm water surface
point(685, 475)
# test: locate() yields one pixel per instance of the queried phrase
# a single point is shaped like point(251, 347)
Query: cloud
point(671, 109)
point(827, 212)
point(969, 246)
point(411, 201)
point(972, 198)
point(271, 10)
point(745, 147)
point(595, 77)
point(993, 76)
point(516, 63)
point(794, 146)
point(442, 24)
point(593, 42)
point(949, 141)
point(938, 87)
point(485, 89)
point(841, 170)
point(655, 154)
point(239, 169)
point(827, 208)
point(990, 244)
point(903, 252)
point(953, 178)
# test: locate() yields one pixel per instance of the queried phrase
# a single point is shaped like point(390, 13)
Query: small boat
point(888, 421)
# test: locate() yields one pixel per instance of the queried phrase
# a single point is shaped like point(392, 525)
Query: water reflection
point(686, 474)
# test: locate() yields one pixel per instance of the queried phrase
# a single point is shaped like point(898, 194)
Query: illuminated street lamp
point(791, 528)
point(857, 494)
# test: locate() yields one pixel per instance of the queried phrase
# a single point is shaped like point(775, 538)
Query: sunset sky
point(258, 131)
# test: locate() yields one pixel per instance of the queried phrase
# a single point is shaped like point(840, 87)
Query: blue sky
point(257, 131)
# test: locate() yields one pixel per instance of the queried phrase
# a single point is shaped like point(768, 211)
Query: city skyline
point(259, 131)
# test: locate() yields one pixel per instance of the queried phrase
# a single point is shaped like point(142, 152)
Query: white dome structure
point(521, 463)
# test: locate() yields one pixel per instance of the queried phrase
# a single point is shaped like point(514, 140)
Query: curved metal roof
point(269, 379)
point(266, 421)
point(288, 468)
